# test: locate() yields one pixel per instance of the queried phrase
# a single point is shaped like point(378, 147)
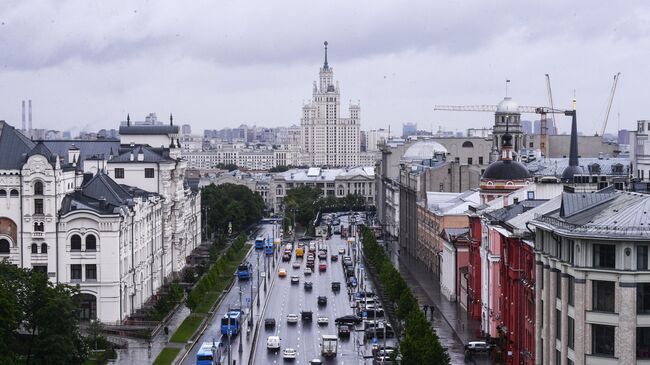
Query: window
point(480, 160)
point(642, 257)
point(469, 160)
point(571, 281)
point(14, 193)
point(605, 256)
point(4, 246)
point(43, 247)
point(571, 324)
point(38, 188)
point(3, 193)
point(91, 243)
point(75, 272)
point(91, 272)
point(148, 173)
point(603, 295)
point(558, 324)
point(558, 285)
point(38, 206)
point(39, 227)
point(40, 268)
point(643, 298)
point(468, 144)
point(75, 243)
point(602, 338)
point(119, 173)
point(34, 248)
point(643, 342)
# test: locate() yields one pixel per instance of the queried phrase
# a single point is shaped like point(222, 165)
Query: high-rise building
point(186, 129)
point(328, 139)
point(409, 129)
point(376, 137)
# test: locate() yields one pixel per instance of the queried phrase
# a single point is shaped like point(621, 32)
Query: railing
point(37, 234)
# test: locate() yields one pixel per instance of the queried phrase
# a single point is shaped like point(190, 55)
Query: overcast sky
point(214, 64)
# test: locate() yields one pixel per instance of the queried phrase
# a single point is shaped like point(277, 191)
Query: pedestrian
point(166, 329)
point(426, 309)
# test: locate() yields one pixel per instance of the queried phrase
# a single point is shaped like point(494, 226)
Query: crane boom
point(609, 103)
point(493, 108)
point(550, 99)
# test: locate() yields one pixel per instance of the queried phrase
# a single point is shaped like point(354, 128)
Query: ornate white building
point(328, 139)
point(113, 216)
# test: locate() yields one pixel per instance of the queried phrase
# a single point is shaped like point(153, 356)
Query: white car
point(292, 318)
point(296, 265)
point(273, 343)
point(341, 250)
point(323, 320)
point(295, 280)
point(307, 271)
point(289, 353)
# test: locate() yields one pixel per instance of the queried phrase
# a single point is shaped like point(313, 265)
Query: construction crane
point(541, 110)
point(609, 104)
point(543, 123)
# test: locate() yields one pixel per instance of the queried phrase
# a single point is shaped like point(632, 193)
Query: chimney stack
point(30, 114)
point(23, 120)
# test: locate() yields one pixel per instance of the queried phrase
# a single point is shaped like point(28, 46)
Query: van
point(273, 343)
point(477, 346)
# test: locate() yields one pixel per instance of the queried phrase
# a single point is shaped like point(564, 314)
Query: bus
point(231, 320)
point(259, 242)
point(268, 248)
point(244, 271)
point(205, 356)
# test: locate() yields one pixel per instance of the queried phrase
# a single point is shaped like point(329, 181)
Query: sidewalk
point(415, 273)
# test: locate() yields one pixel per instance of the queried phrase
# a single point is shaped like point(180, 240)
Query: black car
point(344, 331)
point(269, 323)
point(322, 300)
point(308, 285)
point(350, 319)
point(336, 286)
point(306, 315)
point(334, 257)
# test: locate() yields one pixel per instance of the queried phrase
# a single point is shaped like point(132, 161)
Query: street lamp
point(214, 352)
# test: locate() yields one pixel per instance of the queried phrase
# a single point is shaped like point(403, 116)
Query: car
point(295, 279)
point(269, 323)
point(322, 300)
point(341, 250)
point(477, 346)
point(273, 342)
point(307, 315)
point(349, 319)
point(322, 267)
point(296, 265)
point(308, 285)
point(322, 255)
point(307, 271)
point(286, 257)
point(282, 273)
point(323, 321)
point(344, 331)
point(378, 348)
point(316, 362)
point(352, 282)
point(334, 257)
point(292, 318)
point(289, 353)
point(336, 286)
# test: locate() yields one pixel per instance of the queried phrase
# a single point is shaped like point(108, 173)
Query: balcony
point(38, 234)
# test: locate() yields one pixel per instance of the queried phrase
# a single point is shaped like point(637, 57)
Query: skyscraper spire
point(171, 119)
point(128, 120)
point(325, 65)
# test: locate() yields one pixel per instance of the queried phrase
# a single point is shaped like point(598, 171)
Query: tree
point(301, 201)
point(230, 203)
point(280, 168)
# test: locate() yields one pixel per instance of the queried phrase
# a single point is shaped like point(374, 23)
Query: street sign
point(374, 340)
point(364, 314)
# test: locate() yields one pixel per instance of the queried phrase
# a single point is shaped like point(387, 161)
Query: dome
point(507, 105)
point(424, 150)
point(506, 170)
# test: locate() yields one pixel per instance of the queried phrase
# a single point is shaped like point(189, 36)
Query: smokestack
point(30, 115)
point(24, 121)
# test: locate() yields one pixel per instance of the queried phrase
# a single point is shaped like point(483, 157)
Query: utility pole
point(258, 279)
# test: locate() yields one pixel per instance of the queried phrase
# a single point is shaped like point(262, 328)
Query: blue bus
point(205, 356)
point(268, 248)
point(231, 320)
point(259, 242)
point(244, 271)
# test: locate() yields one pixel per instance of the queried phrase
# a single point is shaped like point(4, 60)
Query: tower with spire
point(328, 139)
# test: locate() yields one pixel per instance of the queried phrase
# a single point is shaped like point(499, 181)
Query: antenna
point(507, 82)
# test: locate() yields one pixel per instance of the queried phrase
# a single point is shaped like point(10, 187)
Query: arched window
point(91, 243)
point(43, 247)
point(4, 246)
point(34, 248)
point(14, 193)
point(38, 188)
point(468, 144)
point(39, 226)
point(3, 193)
point(75, 242)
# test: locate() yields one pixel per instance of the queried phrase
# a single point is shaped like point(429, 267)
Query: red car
point(322, 267)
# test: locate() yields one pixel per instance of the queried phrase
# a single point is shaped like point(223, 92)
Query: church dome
point(506, 170)
point(507, 105)
point(424, 150)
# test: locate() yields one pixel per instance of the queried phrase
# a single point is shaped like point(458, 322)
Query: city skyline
point(206, 69)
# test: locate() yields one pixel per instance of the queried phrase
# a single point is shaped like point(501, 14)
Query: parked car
point(344, 331)
point(477, 346)
point(352, 282)
point(269, 323)
point(349, 319)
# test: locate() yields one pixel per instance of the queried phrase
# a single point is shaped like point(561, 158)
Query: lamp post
point(229, 335)
point(258, 279)
point(214, 352)
point(241, 308)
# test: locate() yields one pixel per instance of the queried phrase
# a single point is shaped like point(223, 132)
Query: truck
point(244, 271)
point(329, 344)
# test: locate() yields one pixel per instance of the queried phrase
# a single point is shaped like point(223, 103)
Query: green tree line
point(39, 320)
point(420, 343)
point(230, 203)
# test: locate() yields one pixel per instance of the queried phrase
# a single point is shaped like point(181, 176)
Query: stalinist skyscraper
point(328, 139)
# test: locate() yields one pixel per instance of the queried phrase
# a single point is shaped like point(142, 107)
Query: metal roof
point(148, 129)
point(13, 147)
